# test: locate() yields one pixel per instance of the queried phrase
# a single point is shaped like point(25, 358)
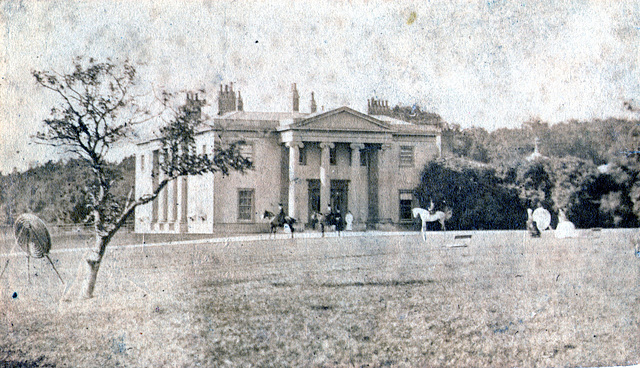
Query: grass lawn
point(503, 300)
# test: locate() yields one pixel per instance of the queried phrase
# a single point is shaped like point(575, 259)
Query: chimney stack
point(240, 104)
point(378, 107)
point(226, 99)
point(296, 98)
point(314, 107)
point(194, 105)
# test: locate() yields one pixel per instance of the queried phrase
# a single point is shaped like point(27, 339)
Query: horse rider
point(280, 217)
point(329, 215)
point(325, 219)
point(431, 208)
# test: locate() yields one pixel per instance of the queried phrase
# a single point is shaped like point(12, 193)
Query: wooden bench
point(462, 237)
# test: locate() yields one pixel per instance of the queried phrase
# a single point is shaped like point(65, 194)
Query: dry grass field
point(373, 301)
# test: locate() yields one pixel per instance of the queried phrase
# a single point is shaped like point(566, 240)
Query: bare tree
point(97, 109)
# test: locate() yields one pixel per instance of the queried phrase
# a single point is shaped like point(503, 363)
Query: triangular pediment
point(342, 119)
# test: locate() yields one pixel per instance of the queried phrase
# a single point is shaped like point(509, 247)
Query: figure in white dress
point(565, 228)
point(349, 220)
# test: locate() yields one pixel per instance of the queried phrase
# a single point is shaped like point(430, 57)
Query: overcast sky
point(490, 64)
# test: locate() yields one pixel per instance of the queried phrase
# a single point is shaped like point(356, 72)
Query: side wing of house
point(241, 199)
point(184, 205)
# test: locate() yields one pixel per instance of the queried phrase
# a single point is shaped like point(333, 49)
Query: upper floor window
point(246, 150)
point(155, 166)
point(364, 157)
point(406, 156)
point(333, 155)
point(302, 157)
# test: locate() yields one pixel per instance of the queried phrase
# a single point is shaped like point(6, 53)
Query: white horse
point(425, 216)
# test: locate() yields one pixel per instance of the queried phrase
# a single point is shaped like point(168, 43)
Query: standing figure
point(532, 227)
point(349, 220)
point(325, 219)
point(314, 220)
point(338, 221)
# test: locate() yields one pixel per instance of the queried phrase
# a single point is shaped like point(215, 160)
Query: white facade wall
point(143, 185)
point(264, 180)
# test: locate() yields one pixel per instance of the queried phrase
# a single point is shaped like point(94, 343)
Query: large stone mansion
point(367, 164)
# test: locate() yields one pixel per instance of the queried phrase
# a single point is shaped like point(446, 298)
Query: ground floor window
point(314, 197)
point(245, 204)
point(406, 202)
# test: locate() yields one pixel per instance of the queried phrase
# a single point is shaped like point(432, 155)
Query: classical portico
point(341, 150)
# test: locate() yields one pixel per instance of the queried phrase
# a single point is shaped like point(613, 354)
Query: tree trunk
point(91, 272)
point(92, 266)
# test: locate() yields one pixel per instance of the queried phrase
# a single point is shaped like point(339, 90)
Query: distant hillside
point(55, 191)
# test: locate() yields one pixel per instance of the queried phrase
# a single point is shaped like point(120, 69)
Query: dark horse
point(333, 219)
point(279, 221)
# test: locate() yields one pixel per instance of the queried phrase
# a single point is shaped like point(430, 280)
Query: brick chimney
point(194, 105)
point(240, 104)
point(226, 99)
point(378, 107)
point(314, 107)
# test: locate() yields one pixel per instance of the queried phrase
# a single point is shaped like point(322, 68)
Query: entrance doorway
point(340, 195)
point(314, 197)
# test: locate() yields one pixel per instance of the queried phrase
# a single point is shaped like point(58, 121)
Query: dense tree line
point(56, 191)
point(589, 169)
point(477, 195)
point(485, 177)
point(598, 141)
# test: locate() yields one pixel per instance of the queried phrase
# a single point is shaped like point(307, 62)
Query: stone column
point(184, 204)
point(294, 157)
point(356, 186)
point(385, 161)
point(325, 181)
point(164, 203)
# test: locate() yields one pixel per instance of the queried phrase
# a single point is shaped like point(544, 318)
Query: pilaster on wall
point(385, 201)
